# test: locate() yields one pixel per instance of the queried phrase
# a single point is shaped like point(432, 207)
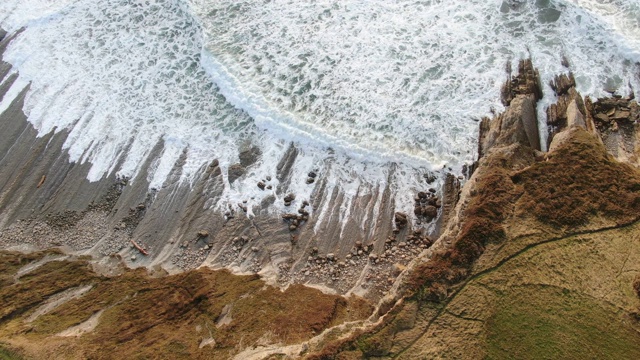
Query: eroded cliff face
point(57, 306)
point(540, 257)
point(536, 256)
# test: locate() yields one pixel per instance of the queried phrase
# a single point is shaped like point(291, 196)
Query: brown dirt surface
point(158, 317)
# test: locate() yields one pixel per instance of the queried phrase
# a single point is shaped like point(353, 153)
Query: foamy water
point(364, 86)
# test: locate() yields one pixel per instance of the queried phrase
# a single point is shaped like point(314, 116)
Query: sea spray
point(374, 93)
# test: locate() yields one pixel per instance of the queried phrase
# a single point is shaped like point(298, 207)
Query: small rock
point(133, 258)
point(310, 180)
point(254, 249)
point(430, 212)
point(312, 175)
point(261, 185)
point(331, 256)
point(203, 233)
point(401, 220)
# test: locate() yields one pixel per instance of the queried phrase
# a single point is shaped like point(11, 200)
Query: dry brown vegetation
point(579, 181)
point(166, 317)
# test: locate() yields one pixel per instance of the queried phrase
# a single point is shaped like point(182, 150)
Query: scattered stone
point(261, 185)
point(312, 175)
point(401, 220)
point(289, 198)
point(235, 171)
point(430, 212)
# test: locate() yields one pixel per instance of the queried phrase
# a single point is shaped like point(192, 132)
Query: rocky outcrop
point(519, 123)
point(517, 200)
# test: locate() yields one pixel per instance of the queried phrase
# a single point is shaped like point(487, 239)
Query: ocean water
point(375, 93)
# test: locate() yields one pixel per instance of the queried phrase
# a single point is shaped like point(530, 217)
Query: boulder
point(401, 220)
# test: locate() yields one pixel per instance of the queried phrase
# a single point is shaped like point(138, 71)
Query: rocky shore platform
point(531, 238)
point(47, 202)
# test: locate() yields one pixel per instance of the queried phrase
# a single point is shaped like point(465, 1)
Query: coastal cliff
point(540, 259)
point(534, 256)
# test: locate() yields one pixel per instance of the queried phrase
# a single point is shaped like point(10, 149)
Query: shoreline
point(47, 201)
point(505, 209)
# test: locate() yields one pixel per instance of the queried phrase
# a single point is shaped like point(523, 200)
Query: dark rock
point(430, 212)
point(417, 211)
point(432, 190)
point(261, 185)
point(289, 198)
point(527, 82)
point(235, 171)
point(287, 203)
point(401, 220)
point(422, 195)
point(312, 175)
point(430, 178)
point(249, 157)
point(562, 83)
point(310, 180)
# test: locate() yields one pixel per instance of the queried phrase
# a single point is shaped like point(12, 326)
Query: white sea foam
point(377, 91)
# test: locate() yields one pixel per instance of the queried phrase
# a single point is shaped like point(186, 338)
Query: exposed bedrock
point(533, 234)
point(339, 241)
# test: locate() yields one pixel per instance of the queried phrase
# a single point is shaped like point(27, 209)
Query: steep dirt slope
point(541, 258)
point(57, 307)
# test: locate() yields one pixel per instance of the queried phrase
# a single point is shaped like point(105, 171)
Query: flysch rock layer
point(46, 201)
point(534, 238)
